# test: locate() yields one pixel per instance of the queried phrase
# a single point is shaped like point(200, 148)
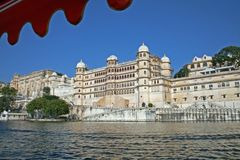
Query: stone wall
point(117, 114)
point(195, 114)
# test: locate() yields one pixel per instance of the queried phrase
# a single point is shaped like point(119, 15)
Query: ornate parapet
point(14, 14)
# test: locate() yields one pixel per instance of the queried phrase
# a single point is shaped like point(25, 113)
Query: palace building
point(31, 85)
point(148, 79)
point(129, 84)
point(143, 81)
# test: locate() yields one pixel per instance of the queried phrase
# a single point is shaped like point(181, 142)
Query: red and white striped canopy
point(15, 13)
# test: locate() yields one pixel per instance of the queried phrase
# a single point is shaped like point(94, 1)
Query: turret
point(143, 61)
point(81, 67)
point(112, 60)
point(166, 67)
point(79, 80)
point(111, 73)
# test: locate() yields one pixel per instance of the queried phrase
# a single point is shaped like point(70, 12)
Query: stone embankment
point(195, 114)
point(204, 112)
point(136, 115)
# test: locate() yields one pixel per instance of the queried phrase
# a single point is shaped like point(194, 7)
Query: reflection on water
point(76, 140)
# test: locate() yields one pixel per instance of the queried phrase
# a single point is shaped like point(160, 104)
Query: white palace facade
point(31, 85)
point(148, 79)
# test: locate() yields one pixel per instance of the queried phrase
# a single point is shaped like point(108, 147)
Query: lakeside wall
point(159, 114)
point(195, 114)
point(118, 114)
point(5, 116)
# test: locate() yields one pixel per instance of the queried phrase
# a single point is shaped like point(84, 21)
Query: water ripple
point(25, 140)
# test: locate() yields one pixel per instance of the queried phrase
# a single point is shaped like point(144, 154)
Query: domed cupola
point(143, 48)
point(112, 57)
point(112, 60)
point(165, 59)
point(166, 67)
point(81, 65)
point(54, 74)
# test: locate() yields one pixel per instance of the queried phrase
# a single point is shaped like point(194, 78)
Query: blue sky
point(179, 28)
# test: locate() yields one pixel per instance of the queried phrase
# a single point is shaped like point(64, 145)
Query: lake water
point(81, 140)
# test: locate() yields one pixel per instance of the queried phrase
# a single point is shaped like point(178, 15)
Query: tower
point(143, 62)
point(166, 67)
point(112, 60)
point(79, 83)
point(111, 73)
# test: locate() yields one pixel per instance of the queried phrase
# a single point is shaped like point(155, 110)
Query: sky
point(180, 28)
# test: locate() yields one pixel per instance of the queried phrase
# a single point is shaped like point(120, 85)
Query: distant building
point(5, 116)
point(61, 86)
point(31, 86)
point(213, 88)
point(199, 64)
point(148, 79)
point(207, 84)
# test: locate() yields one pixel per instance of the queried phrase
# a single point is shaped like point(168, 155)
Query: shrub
point(150, 105)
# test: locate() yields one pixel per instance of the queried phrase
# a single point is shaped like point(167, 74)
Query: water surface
point(81, 140)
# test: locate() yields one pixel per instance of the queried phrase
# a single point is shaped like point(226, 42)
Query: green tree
point(183, 72)
point(50, 97)
point(7, 98)
point(4, 104)
point(55, 108)
point(36, 105)
point(49, 106)
point(150, 105)
point(228, 55)
point(8, 91)
point(46, 91)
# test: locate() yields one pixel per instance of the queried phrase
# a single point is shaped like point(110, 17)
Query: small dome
point(65, 76)
point(46, 76)
point(165, 59)
point(206, 57)
point(54, 74)
point(143, 48)
point(81, 65)
point(196, 59)
point(112, 57)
